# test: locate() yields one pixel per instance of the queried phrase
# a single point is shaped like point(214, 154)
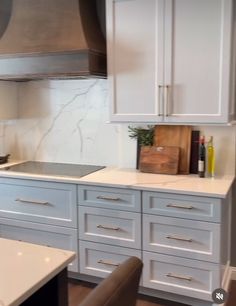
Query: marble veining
point(67, 121)
point(57, 117)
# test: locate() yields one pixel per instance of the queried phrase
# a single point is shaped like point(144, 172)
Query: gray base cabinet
point(186, 243)
point(183, 240)
point(109, 228)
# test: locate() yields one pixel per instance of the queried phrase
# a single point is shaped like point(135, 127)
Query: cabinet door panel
point(38, 201)
point(100, 260)
point(135, 58)
point(180, 275)
point(182, 206)
point(120, 228)
point(180, 237)
point(197, 49)
point(113, 198)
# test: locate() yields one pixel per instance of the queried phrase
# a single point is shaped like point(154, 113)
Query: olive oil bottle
point(210, 158)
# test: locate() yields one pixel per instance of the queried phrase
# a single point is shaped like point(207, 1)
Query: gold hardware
point(159, 99)
point(179, 238)
point(166, 113)
point(187, 278)
point(179, 206)
point(31, 201)
point(109, 228)
point(108, 198)
point(100, 261)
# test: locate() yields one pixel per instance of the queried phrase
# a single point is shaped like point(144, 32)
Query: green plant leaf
point(144, 136)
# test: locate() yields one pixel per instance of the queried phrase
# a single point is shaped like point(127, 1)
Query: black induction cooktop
point(59, 169)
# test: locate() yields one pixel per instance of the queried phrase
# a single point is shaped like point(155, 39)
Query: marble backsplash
point(67, 121)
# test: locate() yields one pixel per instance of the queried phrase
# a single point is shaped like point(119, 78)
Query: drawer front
point(112, 198)
point(188, 238)
point(52, 236)
point(182, 206)
point(44, 202)
point(180, 275)
point(98, 259)
point(110, 227)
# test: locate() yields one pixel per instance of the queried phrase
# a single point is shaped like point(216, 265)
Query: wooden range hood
point(51, 39)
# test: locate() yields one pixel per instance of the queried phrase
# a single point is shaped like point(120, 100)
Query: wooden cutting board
point(179, 136)
point(163, 160)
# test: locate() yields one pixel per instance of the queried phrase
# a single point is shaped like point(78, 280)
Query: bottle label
point(201, 166)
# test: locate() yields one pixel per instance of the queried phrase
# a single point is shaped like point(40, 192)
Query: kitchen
point(67, 121)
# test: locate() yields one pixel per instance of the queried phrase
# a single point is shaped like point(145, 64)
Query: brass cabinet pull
point(166, 112)
point(108, 263)
point(108, 228)
point(187, 278)
point(31, 201)
point(108, 198)
point(180, 206)
point(160, 92)
point(179, 238)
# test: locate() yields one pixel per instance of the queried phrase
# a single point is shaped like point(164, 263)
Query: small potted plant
point(144, 137)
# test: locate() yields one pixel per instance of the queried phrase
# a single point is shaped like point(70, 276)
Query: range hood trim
point(79, 64)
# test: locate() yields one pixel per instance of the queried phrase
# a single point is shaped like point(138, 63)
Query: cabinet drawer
point(98, 259)
point(182, 206)
point(182, 276)
point(52, 236)
point(113, 198)
point(44, 202)
point(111, 227)
point(180, 237)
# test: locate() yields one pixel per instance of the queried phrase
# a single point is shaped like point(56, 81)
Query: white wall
point(66, 121)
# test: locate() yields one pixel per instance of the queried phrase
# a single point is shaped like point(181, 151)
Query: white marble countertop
point(218, 186)
point(184, 184)
point(25, 267)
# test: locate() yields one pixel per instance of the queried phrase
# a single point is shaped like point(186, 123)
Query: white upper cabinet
point(135, 58)
point(170, 60)
point(197, 61)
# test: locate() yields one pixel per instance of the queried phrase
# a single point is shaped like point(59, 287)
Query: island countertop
point(217, 186)
point(25, 267)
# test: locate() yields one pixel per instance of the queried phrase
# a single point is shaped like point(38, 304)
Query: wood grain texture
point(163, 160)
point(179, 136)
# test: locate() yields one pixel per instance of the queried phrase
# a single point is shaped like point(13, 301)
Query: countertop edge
point(93, 179)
